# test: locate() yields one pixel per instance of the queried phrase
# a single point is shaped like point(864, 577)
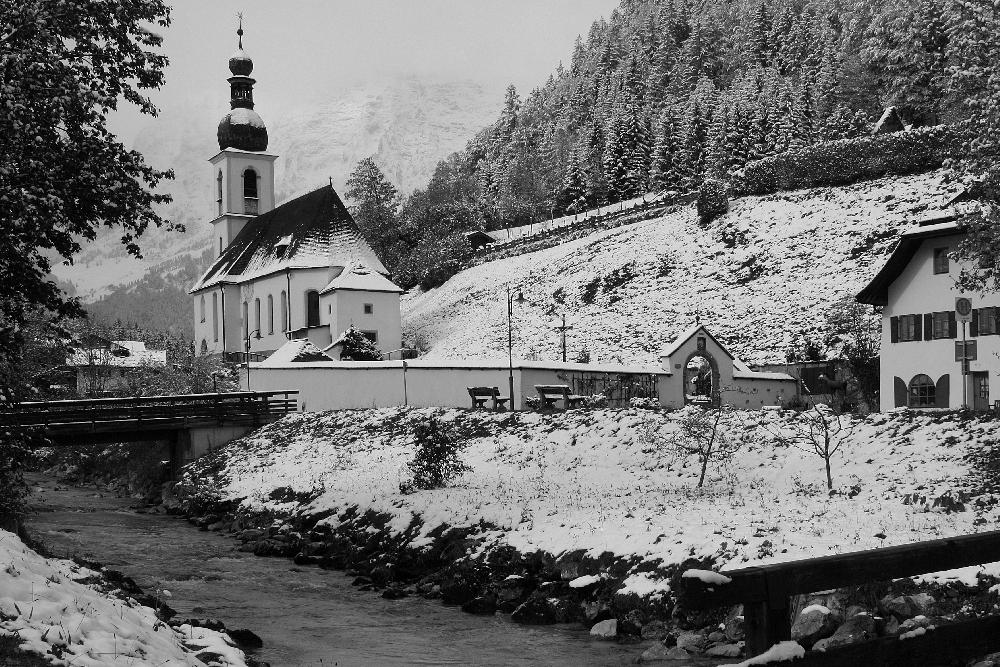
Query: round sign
point(963, 306)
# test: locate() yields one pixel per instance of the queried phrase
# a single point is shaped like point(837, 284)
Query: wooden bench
point(550, 393)
point(480, 395)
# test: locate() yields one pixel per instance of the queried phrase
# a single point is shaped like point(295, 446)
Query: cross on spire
point(239, 30)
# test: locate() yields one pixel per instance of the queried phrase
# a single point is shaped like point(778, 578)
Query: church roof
point(312, 231)
point(362, 278)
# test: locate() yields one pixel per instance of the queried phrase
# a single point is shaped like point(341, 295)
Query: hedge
point(851, 160)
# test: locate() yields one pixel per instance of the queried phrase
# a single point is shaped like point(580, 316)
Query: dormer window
point(250, 177)
point(282, 245)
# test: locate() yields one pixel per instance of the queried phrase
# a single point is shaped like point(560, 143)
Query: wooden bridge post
point(766, 621)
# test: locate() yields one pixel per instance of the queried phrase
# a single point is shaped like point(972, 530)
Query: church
point(298, 270)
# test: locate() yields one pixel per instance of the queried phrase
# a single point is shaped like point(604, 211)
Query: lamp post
point(401, 358)
point(511, 299)
point(250, 334)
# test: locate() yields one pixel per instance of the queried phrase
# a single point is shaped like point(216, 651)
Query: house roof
point(876, 292)
point(300, 350)
point(360, 277)
point(312, 231)
point(121, 353)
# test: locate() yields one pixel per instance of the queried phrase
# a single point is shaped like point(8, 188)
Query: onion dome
point(242, 128)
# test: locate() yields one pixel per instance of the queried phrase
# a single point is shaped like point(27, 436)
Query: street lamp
point(401, 358)
point(511, 300)
point(250, 334)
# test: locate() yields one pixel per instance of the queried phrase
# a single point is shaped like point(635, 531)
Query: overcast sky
point(303, 49)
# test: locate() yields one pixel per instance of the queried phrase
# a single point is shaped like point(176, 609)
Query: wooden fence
point(765, 593)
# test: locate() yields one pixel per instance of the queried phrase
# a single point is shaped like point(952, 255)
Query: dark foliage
point(712, 201)
point(436, 460)
point(358, 347)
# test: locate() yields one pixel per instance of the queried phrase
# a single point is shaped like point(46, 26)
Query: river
point(305, 615)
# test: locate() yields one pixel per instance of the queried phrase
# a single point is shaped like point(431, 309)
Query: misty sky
point(304, 49)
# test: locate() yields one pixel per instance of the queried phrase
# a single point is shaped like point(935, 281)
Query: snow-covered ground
point(756, 276)
point(606, 481)
point(57, 610)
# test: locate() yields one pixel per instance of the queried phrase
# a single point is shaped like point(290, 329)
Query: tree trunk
point(829, 477)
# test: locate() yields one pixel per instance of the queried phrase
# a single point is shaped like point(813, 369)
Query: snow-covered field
point(756, 276)
point(57, 610)
point(597, 480)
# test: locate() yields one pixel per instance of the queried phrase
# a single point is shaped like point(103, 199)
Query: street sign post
point(963, 309)
point(963, 313)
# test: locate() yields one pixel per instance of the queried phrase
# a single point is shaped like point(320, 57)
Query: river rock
point(692, 642)
point(908, 606)
point(630, 625)
point(858, 628)
point(538, 610)
point(457, 591)
point(605, 629)
point(394, 593)
point(725, 651)
point(815, 622)
point(246, 638)
point(655, 630)
point(483, 605)
point(596, 610)
point(658, 652)
point(716, 637)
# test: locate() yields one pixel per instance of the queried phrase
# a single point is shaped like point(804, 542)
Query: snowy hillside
point(408, 124)
point(756, 276)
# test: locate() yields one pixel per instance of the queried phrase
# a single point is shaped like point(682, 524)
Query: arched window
point(218, 191)
point(215, 317)
point(250, 191)
point(312, 308)
point(246, 321)
point(270, 314)
point(202, 308)
point(256, 317)
point(285, 326)
point(922, 392)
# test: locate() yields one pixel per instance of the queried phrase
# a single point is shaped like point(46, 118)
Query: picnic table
point(550, 393)
point(480, 395)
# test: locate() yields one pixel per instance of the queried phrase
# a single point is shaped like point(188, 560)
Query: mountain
point(760, 277)
point(407, 124)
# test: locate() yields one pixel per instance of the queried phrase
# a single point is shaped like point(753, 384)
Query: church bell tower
point(244, 171)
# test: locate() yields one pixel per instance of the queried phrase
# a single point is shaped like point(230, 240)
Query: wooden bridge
point(191, 423)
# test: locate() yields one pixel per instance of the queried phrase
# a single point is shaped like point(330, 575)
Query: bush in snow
point(712, 200)
point(851, 160)
point(358, 347)
point(595, 401)
point(436, 460)
point(642, 403)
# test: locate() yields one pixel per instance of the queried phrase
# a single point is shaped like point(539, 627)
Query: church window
point(202, 308)
point(369, 309)
point(285, 325)
point(250, 191)
point(215, 317)
point(256, 317)
point(218, 195)
point(941, 260)
point(246, 321)
point(312, 308)
point(270, 314)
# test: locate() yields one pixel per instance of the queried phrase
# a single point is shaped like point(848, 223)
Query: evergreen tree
point(573, 194)
point(663, 173)
point(374, 204)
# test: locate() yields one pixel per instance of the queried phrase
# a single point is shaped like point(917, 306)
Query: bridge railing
point(230, 407)
point(765, 593)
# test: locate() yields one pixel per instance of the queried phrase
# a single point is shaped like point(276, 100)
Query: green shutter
point(941, 391)
point(928, 326)
point(893, 329)
point(917, 320)
point(900, 391)
point(952, 325)
point(974, 324)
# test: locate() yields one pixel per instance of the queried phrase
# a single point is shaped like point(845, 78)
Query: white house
point(298, 270)
point(921, 335)
point(105, 365)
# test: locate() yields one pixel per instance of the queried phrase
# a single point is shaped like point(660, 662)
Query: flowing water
point(305, 615)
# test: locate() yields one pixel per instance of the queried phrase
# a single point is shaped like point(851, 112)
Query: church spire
point(242, 128)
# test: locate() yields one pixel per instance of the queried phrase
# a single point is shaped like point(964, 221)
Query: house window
point(988, 321)
point(312, 308)
point(369, 309)
point(940, 260)
point(908, 327)
point(215, 317)
point(370, 335)
point(942, 325)
point(922, 394)
point(202, 308)
point(256, 317)
point(250, 191)
point(270, 314)
point(218, 196)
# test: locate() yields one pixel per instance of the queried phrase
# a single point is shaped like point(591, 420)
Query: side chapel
point(299, 270)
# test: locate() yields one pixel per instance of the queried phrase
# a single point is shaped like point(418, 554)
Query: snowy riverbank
point(586, 515)
point(70, 614)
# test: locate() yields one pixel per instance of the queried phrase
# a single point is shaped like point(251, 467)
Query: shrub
point(643, 403)
point(851, 160)
point(590, 290)
point(620, 276)
point(436, 460)
point(595, 401)
point(712, 200)
point(358, 347)
point(14, 456)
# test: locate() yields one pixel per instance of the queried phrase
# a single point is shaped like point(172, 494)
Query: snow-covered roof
point(295, 352)
point(361, 278)
point(686, 336)
point(468, 364)
point(122, 354)
point(322, 234)
point(876, 292)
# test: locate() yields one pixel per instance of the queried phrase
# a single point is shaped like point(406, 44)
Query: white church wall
point(347, 307)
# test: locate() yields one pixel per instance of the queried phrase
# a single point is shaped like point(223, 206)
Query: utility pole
point(562, 329)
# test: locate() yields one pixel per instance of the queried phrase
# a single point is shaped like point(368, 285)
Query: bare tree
point(707, 433)
point(819, 430)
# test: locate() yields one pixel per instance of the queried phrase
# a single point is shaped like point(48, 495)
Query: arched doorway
point(701, 380)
